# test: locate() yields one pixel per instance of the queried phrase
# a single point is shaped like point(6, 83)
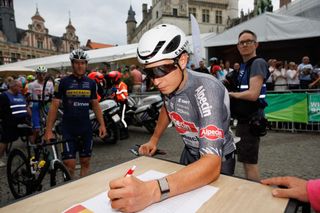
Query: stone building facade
point(18, 44)
point(212, 16)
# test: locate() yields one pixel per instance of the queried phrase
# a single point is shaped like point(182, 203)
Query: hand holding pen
point(131, 194)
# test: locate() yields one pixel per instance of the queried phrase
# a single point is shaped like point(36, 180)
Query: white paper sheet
point(184, 203)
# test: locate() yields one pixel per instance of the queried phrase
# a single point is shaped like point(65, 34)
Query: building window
point(205, 16)
point(14, 57)
point(40, 44)
point(218, 17)
point(157, 14)
point(28, 56)
point(175, 12)
point(1, 58)
point(193, 11)
point(71, 48)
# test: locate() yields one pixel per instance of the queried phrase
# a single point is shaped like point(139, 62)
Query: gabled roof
point(94, 45)
point(268, 27)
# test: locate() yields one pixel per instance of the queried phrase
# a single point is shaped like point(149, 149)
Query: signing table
point(234, 195)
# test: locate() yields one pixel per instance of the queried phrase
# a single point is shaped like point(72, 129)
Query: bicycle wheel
point(18, 174)
point(59, 174)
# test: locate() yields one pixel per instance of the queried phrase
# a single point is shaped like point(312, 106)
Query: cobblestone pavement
point(281, 153)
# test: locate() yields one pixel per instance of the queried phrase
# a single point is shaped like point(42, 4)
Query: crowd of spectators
point(283, 75)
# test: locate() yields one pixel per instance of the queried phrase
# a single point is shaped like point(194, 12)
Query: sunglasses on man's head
point(160, 71)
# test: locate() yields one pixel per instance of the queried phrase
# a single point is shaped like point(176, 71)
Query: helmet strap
point(176, 61)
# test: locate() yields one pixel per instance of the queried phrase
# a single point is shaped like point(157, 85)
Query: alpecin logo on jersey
point(181, 125)
point(211, 132)
point(202, 101)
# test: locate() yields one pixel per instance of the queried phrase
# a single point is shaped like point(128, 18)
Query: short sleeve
point(93, 90)
point(59, 90)
point(259, 67)
point(212, 114)
point(30, 88)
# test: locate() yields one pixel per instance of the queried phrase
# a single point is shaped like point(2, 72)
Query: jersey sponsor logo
point(180, 100)
point(186, 107)
point(202, 101)
point(211, 132)
point(80, 104)
point(182, 111)
point(181, 125)
point(78, 93)
point(86, 85)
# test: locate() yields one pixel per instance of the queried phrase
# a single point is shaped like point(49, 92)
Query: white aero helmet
point(79, 54)
point(41, 69)
point(164, 41)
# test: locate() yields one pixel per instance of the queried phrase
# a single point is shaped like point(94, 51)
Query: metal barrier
point(294, 126)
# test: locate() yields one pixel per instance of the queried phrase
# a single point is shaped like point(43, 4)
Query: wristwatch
point(164, 188)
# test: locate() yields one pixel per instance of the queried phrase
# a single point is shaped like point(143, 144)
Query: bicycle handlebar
point(135, 150)
point(52, 142)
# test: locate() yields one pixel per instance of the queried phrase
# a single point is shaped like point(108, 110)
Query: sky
point(101, 21)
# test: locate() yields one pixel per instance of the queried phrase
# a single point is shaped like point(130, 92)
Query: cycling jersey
point(35, 90)
point(200, 113)
point(76, 94)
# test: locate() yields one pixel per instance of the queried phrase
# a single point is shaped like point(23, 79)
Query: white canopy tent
point(96, 56)
point(110, 54)
point(268, 27)
point(10, 71)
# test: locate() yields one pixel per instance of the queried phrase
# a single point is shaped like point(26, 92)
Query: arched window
point(71, 47)
point(40, 44)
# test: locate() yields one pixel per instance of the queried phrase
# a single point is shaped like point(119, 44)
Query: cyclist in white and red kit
point(197, 104)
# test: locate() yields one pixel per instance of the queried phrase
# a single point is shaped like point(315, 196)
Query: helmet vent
point(173, 45)
point(155, 51)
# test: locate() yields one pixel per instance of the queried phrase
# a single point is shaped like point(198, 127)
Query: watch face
point(164, 186)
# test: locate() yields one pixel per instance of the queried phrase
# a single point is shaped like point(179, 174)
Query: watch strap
point(164, 188)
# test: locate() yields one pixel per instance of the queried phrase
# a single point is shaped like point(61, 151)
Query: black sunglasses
point(160, 71)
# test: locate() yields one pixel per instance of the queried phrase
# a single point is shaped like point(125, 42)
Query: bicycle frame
point(35, 184)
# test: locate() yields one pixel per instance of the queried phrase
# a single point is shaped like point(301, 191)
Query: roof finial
point(69, 17)
point(37, 9)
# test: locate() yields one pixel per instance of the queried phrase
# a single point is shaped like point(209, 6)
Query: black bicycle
point(26, 173)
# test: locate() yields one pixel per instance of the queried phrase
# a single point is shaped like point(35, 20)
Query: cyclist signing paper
point(198, 105)
point(76, 92)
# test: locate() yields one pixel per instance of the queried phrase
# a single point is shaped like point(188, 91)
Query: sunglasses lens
point(158, 72)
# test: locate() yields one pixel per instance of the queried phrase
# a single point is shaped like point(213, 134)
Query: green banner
point(290, 107)
point(314, 107)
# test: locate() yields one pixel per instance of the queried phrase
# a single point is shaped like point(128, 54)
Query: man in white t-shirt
point(34, 95)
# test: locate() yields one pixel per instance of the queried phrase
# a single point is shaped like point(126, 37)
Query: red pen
point(130, 171)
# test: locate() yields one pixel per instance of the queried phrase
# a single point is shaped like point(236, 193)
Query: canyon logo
point(181, 125)
point(211, 132)
point(202, 101)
